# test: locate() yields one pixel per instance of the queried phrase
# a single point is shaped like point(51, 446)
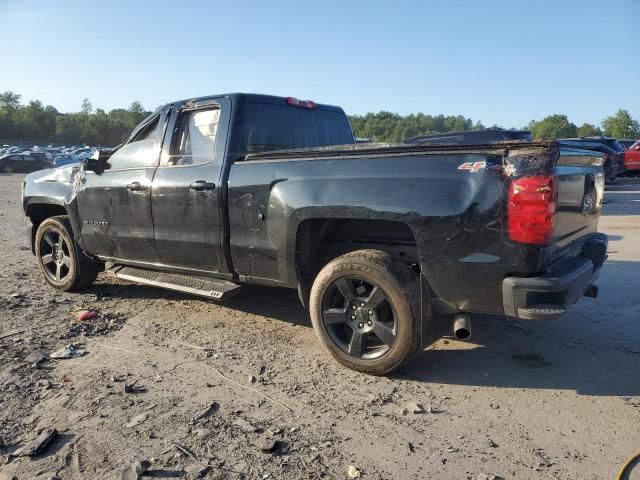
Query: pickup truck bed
point(387, 244)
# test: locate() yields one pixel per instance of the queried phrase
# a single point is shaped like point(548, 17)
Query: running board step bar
point(195, 285)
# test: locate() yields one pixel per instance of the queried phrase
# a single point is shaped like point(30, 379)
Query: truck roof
point(240, 98)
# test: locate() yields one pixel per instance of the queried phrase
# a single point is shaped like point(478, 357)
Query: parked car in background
point(23, 163)
point(65, 159)
point(40, 155)
point(627, 143)
point(632, 158)
point(614, 144)
point(84, 154)
point(488, 135)
point(613, 162)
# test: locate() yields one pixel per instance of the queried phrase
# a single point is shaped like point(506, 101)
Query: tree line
point(36, 122)
point(386, 126)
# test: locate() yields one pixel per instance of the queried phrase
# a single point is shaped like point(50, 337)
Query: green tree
point(553, 126)
point(588, 130)
point(621, 125)
point(136, 108)
point(391, 127)
point(9, 100)
point(87, 107)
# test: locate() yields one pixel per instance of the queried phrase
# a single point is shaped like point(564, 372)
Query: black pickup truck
point(389, 246)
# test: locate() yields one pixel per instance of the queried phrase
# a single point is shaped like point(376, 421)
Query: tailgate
point(580, 195)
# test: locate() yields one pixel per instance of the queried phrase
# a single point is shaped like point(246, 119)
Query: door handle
point(137, 187)
point(200, 185)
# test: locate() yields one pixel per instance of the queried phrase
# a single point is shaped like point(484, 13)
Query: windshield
point(279, 127)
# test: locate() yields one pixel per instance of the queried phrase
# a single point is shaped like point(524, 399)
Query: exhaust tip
point(462, 334)
point(462, 327)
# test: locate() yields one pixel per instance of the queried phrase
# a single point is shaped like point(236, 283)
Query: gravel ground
point(522, 400)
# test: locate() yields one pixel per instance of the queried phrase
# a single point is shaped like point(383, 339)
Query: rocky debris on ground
point(245, 425)
point(210, 409)
point(37, 445)
point(196, 470)
point(137, 420)
point(36, 359)
point(70, 351)
point(135, 470)
point(543, 460)
point(413, 407)
point(133, 388)
point(96, 324)
point(268, 445)
point(353, 472)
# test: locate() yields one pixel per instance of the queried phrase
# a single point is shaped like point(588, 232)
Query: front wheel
point(365, 311)
point(62, 263)
point(7, 169)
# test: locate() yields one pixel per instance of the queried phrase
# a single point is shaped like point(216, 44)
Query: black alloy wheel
point(365, 311)
point(55, 256)
point(358, 318)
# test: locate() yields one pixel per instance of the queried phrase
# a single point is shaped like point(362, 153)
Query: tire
point(384, 333)
point(608, 172)
point(7, 168)
point(62, 263)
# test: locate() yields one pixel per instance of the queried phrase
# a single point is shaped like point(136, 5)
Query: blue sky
point(497, 61)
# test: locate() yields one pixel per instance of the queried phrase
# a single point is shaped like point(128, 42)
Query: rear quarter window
point(279, 127)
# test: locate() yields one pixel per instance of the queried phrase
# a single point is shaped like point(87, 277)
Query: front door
point(115, 206)
point(185, 195)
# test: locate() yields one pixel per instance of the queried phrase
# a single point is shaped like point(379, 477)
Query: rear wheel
point(608, 171)
point(7, 168)
point(364, 310)
point(62, 263)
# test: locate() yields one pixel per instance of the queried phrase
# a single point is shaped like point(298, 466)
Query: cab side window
point(141, 151)
point(194, 138)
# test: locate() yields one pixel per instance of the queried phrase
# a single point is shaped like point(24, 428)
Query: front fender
point(56, 187)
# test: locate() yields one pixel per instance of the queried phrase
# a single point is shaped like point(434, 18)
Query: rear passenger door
point(186, 197)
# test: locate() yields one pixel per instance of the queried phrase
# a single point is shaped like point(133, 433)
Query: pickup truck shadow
point(593, 350)
point(277, 303)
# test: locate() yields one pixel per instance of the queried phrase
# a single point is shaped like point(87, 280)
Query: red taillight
point(531, 207)
point(301, 103)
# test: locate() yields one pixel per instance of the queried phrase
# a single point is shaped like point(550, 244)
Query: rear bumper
point(549, 295)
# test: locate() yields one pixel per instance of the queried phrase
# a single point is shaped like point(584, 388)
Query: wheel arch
point(319, 240)
point(38, 212)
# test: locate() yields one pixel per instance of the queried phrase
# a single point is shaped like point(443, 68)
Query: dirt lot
point(523, 400)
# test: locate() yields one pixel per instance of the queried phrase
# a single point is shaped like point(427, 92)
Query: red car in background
point(632, 158)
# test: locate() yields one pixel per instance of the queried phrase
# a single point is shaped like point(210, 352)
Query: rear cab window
point(194, 138)
point(271, 126)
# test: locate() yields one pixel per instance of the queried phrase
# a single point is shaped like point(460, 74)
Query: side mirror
point(96, 163)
